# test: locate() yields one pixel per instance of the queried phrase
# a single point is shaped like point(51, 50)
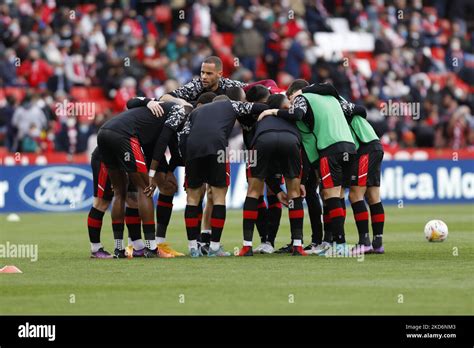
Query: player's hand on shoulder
point(263, 115)
point(155, 108)
point(268, 112)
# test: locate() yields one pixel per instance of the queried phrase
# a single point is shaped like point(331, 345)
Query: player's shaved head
point(206, 98)
point(296, 85)
point(258, 93)
point(211, 72)
point(221, 97)
point(235, 93)
point(214, 60)
point(277, 101)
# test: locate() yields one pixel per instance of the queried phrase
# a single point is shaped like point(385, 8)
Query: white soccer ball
point(436, 231)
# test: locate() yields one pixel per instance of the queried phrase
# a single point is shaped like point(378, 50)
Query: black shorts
point(207, 170)
point(336, 169)
point(277, 152)
point(102, 183)
point(121, 152)
point(366, 169)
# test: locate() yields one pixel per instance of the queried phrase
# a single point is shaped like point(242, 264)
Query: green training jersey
point(330, 126)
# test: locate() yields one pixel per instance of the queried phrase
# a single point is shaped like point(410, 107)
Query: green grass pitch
point(414, 277)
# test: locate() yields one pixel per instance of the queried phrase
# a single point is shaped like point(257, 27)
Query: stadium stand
point(375, 52)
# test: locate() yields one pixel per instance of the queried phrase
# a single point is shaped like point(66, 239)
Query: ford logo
point(57, 188)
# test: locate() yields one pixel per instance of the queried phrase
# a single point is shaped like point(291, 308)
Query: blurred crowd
point(423, 54)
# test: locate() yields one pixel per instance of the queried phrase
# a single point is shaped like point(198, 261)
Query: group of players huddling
point(310, 138)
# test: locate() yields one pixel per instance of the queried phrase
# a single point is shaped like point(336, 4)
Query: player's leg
point(119, 181)
point(164, 204)
point(327, 234)
point(361, 214)
point(218, 221)
point(218, 177)
point(314, 212)
point(164, 208)
point(146, 211)
point(94, 226)
point(135, 165)
point(296, 214)
point(273, 217)
point(136, 246)
point(250, 214)
point(377, 213)
point(205, 236)
point(291, 164)
point(356, 197)
point(377, 217)
point(331, 171)
point(102, 197)
point(261, 222)
point(194, 182)
point(256, 173)
point(191, 220)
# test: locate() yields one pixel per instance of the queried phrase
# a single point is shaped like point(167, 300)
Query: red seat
point(80, 93)
point(17, 92)
point(96, 93)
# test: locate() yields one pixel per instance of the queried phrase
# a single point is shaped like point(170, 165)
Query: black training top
point(209, 125)
point(141, 123)
point(275, 124)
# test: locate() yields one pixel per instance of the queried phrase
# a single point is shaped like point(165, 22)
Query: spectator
point(76, 71)
point(25, 116)
point(296, 55)
point(8, 65)
point(248, 45)
point(126, 92)
point(29, 143)
point(162, 45)
point(59, 81)
point(35, 70)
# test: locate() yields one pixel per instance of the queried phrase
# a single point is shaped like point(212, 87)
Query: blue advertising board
point(66, 188)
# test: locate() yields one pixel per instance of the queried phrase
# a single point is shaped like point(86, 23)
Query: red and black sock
point(217, 222)
point(191, 220)
point(296, 214)
point(200, 211)
point(262, 219)
point(377, 216)
point(149, 233)
point(315, 212)
point(336, 213)
point(164, 208)
point(250, 214)
point(343, 206)
point(134, 223)
point(94, 224)
point(361, 216)
point(273, 218)
point(117, 228)
point(327, 224)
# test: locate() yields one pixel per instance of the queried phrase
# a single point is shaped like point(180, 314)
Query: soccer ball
point(436, 231)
